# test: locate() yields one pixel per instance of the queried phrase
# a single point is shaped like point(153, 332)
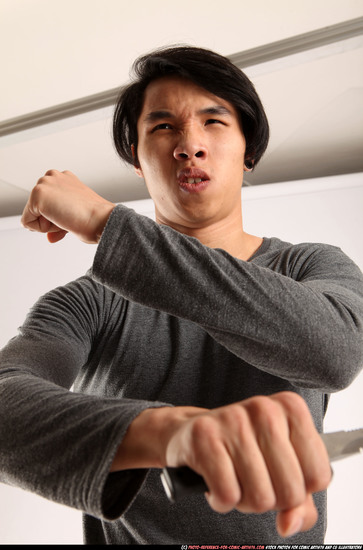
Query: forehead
point(180, 95)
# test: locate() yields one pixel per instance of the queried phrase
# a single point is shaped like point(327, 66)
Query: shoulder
point(301, 259)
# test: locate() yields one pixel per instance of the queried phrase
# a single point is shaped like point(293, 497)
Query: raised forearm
point(308, 331)
point(61, 203)
point(302, 321)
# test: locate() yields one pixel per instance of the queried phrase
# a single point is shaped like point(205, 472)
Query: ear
point(137, 166)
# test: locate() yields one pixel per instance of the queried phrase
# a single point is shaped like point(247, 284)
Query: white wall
point(325, 210)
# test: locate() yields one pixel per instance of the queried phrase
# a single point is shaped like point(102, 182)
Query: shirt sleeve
point(299, 316)
point(55, 442)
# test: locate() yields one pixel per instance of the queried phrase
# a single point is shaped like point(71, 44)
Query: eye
point(162, 126)
point(213, 121)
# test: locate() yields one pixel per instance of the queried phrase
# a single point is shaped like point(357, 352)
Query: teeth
point(194, 180)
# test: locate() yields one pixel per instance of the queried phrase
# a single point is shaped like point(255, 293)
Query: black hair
point(207, 69)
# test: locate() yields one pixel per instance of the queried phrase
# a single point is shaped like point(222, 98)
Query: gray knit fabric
point(163, 320)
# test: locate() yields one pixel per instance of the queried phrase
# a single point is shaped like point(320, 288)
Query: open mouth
point(193, 179)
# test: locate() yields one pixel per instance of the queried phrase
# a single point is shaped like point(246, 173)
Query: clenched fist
point(61, 203)
point(256, 455)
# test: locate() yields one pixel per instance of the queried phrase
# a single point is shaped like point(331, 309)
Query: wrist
point(104, 211)
point(147, 438)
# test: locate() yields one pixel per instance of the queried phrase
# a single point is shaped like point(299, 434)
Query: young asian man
point(189, 342)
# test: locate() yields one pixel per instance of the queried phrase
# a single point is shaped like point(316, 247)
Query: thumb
point(301, 518)
point(55, 236)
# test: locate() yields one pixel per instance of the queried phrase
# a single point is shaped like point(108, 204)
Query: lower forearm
point(145, 443)
point(257, 455)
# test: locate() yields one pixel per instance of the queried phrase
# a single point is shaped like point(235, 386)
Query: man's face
point(191, 153)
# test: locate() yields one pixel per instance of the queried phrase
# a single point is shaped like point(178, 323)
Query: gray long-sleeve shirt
point(163, 320)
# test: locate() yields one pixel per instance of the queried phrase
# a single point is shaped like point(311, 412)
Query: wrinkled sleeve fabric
point(297, 315)
point(54, 442)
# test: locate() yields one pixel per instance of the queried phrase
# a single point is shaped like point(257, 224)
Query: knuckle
point(223, 497)
point(290, 496)
point(41, 183)
point(268, 420)
point(201, 425)
point(221, 504)
point(259, 403)
point(227, 499)
point(233, 415)
point(203, 430)
point(36, 194)
point(51, 172)
point(319, 480)
point(261, 502)
point(293, 403)
point(263, 410)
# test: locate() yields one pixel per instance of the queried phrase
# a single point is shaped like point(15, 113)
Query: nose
point(189, 146)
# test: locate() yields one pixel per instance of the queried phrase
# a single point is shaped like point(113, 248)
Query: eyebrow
point(157, 115)
point(213, 110)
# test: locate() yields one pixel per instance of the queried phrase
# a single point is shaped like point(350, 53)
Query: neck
point(226, 234)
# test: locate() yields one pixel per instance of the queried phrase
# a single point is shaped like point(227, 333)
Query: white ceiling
point(55, 52)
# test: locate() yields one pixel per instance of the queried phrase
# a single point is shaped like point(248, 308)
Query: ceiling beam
point(298, 43)
point(247, 58)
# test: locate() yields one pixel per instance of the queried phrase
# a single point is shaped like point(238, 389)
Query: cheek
point(233, 148)
point(149, 166)
point(160, 164)
point(239, 155)
point(158, 175)
point(150, 158)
